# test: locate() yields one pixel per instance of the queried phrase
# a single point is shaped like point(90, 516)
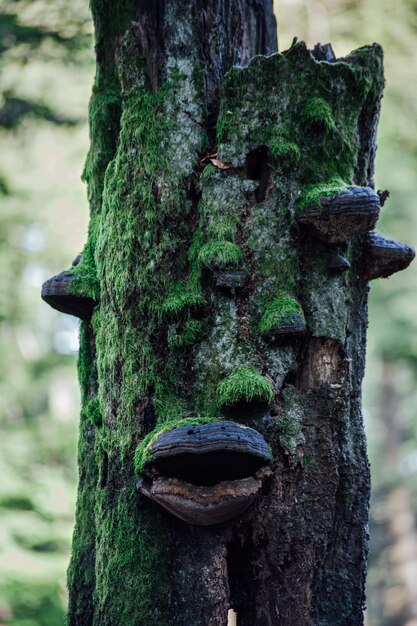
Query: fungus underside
point(143, 452)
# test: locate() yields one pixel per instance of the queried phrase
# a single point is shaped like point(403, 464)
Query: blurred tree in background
point(45, 77)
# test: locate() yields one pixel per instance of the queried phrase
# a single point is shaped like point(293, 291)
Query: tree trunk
point(217, 205)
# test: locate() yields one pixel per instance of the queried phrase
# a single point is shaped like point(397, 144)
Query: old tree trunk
point(223, 299)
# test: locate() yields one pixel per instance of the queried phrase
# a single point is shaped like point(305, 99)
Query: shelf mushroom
point(352, 211)
point(205, 474)
point(383, 257)
point(283, 320)
point(60, 294)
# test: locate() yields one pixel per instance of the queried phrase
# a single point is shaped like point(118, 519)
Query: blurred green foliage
point(46, 68)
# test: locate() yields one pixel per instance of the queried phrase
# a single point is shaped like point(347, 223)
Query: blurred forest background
point(46, 72)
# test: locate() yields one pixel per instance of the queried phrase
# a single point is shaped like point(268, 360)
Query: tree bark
point(216, 301)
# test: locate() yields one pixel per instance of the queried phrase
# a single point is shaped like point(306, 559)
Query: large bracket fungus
point(340, 217)
point(206, 474)
point(62, 292)
point(384, 257)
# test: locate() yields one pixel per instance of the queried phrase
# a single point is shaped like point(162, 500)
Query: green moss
point(220, 255)
point(223, 230)
point(284, 310)
point(81, 570)
point(93, 412)
point(85, 360)
point(245, 384)
point(192, 332)
point(226, 127)
point(104, 114)
point(284, 150)
point(208, 172)
point(181, 300)
point(140, 248)
point(146, 220)
point(167, 399)
point(144, 450)
point(311, 195)
point(367, 66)
point(86, 283)
point(317, 112)
point(134, 570)
point(290, 434)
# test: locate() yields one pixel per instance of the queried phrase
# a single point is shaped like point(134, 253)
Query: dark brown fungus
point(195, 452)
point(383, 257)
point(56, 292)
point(206, 474)
point(324, 52)
point(204, 506)
point(383, 195)
point(338, 263)
point(340, 217)
point(283, 320)
point(230, 280)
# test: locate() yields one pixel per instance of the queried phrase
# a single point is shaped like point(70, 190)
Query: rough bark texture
point(167, 343)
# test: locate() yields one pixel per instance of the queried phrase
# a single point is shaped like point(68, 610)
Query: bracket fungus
point(230, 280)
point(57, 292)
point(283, 319)
point(352, 211)
point(338, 263)
point(206, 474)
point(383, 257)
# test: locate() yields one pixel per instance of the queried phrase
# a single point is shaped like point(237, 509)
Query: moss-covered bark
point(191, 176)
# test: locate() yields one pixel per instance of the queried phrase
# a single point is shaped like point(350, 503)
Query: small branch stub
point(56, 292)
point(338, 263)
